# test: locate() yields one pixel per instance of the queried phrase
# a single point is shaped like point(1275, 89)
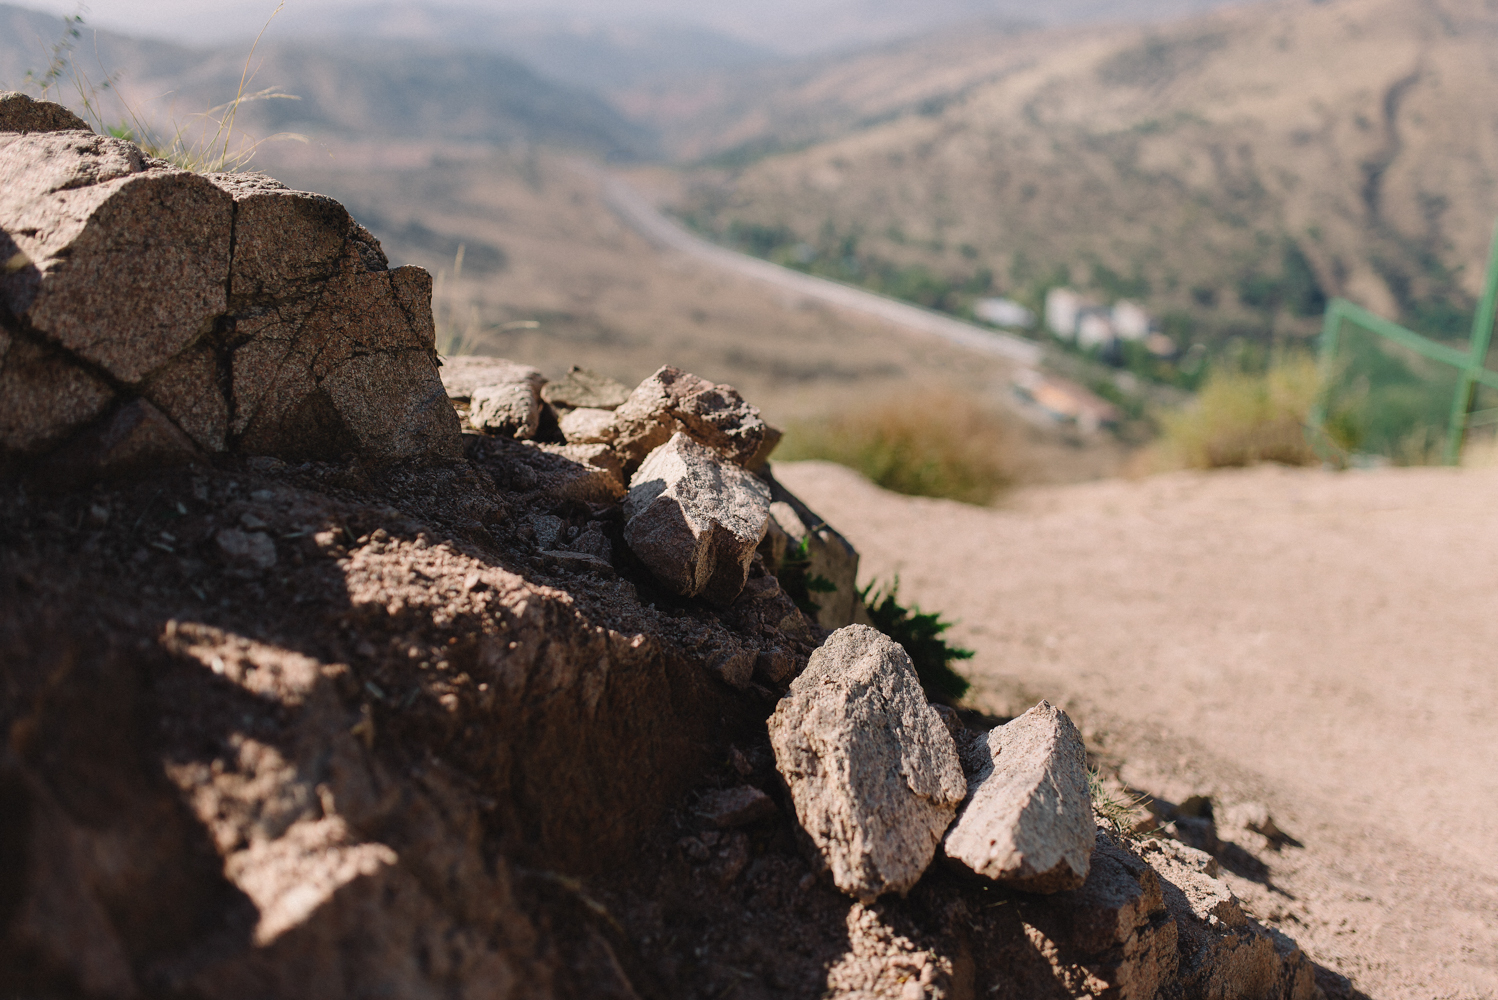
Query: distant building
point(1065, 401)
point(1095, 328)
point(1063, 308)
point(1130, 322)
point(1003, 312)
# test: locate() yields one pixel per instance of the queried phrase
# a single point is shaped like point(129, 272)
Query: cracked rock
point(673, 401)
point(1028, 818)
point(695, 519)
point(872, 769)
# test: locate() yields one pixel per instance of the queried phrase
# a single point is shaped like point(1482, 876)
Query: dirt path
point(1324, 643)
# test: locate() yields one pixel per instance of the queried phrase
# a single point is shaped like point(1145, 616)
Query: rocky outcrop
point(251, 317)
point(1028, 818)
point(695, 520)
point(871, 768)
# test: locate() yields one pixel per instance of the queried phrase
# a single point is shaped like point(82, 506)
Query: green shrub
point(1239, 419)
point(920, 634)
point(946, 448)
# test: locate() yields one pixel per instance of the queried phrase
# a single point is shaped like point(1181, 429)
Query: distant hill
point(367, 89)
point(1230, 170)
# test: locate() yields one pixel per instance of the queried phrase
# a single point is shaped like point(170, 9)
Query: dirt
point(1318, 642)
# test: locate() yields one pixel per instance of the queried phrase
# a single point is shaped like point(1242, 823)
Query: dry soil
point(1319, 642)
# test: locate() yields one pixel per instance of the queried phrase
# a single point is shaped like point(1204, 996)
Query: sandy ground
point(1324, 643)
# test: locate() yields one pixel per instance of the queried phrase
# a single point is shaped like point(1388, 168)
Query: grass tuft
point(1115, 811)
point(1240, 419)
point(952, 448)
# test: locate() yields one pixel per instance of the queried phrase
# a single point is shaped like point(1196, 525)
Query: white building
point(1095, 328)
point(1063, 308)
point(1130, 321)
point(1003, 312)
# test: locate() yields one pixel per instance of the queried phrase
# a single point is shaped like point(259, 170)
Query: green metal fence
point(1380, 380)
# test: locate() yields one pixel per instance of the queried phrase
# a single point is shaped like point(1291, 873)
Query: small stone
point(872, 770)
point(547, 527)
point(580, 388)
point(673, 401)
point(253, 548)
point(695, 519)
point(511, 407)
point(732, 807)
point(1028, 818)
point(587, 426)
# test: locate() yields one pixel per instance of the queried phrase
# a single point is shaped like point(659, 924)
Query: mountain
point(1231, 170)
point(357, 89)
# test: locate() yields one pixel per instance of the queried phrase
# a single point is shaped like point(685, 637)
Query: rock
point(19, 113)
point(1028, 817)
point(673, 401)
point(819, 557)
point(582, 389)
point(1198, 832)
point(546, 527)
point(587, 426)
point(127, 259)
point(44, 397)
point(253, 548)
point(950, 719)
point(587, 473)
point(695, 519)
point(731, 807)
point(872, 770)
point(512, 409)
point(135, 438)
point(334, 351)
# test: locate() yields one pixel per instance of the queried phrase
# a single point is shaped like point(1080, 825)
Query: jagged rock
point(511, 408)
point(872, 770)
point(822, 556)
point(672, 401)
point(695, 519)
point(587, 425)
point(1223, 953)
point(44, 397)
point(126, 260)
point(121, 264)
point(582, 389)
point(1028, 817)
point(334, 352)
point(19, 113)
point(731, 807)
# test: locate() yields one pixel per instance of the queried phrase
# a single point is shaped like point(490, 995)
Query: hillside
point(1230, 170)
point(372, 89)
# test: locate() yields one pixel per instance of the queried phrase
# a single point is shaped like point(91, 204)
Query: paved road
point(644, 217)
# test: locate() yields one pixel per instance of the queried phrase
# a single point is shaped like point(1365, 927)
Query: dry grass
point(1240, 419)
point(952, 447)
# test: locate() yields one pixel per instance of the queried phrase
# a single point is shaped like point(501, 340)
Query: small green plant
point(921, 635)
point(1115, 811)
point(797, 580)
point(953, 448)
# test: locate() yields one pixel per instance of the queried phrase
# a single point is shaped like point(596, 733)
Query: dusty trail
point(1325, 643)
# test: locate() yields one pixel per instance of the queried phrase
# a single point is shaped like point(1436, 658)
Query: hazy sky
point(789, 25)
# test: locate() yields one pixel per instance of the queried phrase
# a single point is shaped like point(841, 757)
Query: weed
point(1115, 811)
point(190, 146)
point(1239, 419)
point(920, 634)
point(951, 448)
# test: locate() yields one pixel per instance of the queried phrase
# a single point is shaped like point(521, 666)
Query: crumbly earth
point(1318, 642)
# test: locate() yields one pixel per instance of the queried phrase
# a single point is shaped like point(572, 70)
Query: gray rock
point(1028, 817)
point(580, 388)
point(672, 401)
point(44, 397)
point(587, 425)
point(511, 407)
point(19, 113)
point(695, 519)
point(872, 770)
point(252, 548)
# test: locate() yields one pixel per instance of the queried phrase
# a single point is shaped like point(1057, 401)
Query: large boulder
point(254, 318)
point(872, 770)
point(1028, 816)
point(695, 519)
